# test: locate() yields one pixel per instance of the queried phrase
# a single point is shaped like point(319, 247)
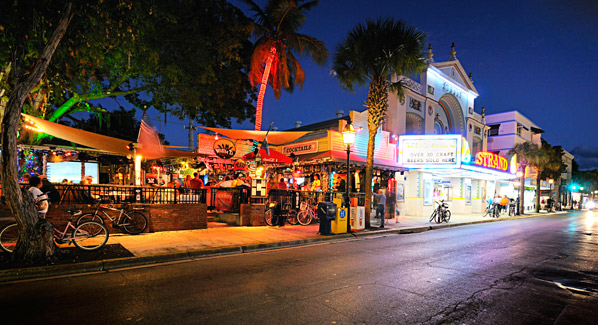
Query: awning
point(469, 171)
point(274, 137)
point(101, 142)
point(273, 157)
point(341, 157)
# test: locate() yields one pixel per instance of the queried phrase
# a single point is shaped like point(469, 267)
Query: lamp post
point(348, 138)
point(521, 175)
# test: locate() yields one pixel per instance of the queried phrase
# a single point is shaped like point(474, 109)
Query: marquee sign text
point(491, 160)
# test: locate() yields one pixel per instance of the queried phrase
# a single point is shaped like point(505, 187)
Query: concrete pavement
point(151, 248)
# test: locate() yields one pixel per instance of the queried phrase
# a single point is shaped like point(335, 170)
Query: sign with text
point(491, 160)
point(224, 148)
point(422, 151)
point(301, 148)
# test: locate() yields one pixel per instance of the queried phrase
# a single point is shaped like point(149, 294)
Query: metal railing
point(74, 193)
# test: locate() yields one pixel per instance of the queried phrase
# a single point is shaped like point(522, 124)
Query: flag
point(149, 142)
point(265, 145)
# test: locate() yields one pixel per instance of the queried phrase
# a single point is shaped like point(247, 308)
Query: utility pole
point(191, 129)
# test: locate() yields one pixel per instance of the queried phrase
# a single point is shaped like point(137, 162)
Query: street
point(539, 270)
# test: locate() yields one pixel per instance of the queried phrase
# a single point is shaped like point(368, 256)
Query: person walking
point(381, 199)
point(504, 202)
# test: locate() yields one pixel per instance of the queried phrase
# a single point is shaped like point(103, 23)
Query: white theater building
point(443, 142)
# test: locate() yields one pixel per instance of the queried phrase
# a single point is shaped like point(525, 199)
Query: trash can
point(326, 213)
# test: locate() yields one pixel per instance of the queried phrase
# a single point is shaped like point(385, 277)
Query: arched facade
point(450, 110)
point(414, 124)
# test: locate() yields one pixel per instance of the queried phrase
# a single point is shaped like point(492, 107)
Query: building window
point(493, 130)
point(430, 90)
point(519, 129)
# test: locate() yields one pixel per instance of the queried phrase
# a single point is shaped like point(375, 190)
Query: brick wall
point(162, 217)
point(257, 214)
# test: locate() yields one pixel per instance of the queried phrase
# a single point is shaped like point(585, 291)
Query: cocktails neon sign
point(491, 160)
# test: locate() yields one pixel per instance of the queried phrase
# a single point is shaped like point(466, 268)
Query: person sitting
point(282, 185)
point(316, 185)
point(341, 185)
point(49, 188)
point(39, 197)
point(196, 183)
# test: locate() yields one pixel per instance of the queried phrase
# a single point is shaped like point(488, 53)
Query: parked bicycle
point(492, 210)
point(130, 220)
point(441, 213)
point(88, 236)
point(512, 208)
point(307, 213)
point(287, 212)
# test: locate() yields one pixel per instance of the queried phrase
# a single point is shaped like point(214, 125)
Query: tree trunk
point(369, 171)
point(3, 77)
point(377, 105)
point(35, 243)
point(260, 98)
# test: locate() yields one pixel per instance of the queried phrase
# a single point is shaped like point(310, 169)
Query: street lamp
point(521, 175)
point(348, 138)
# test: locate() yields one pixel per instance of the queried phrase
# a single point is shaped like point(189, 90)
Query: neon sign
point(491, 160)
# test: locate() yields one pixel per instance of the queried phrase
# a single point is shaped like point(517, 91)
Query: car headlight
point(591, 205)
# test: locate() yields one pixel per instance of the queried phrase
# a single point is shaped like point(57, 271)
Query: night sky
point(537, 57)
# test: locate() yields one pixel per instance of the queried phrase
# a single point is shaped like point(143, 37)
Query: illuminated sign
point(224, 148)
point(301, 148)
point(491, 160)
point(430, 151)
point(514, 167)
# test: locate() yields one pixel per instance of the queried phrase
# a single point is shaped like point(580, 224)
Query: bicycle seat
point(74, 212)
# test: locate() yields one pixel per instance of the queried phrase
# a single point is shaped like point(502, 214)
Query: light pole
point(348, 138)
point(521, 175)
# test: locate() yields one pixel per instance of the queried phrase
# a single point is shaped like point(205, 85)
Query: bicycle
point(492, 210)
point(307, 213)
point(441, 213)
point(88, 236)
point(272, 219)
point(132, 222)
point(512, 209)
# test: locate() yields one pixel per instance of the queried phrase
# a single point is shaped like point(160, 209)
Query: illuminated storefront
point(441, 168)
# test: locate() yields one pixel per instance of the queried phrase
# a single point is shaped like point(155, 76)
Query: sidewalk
point(151, 248)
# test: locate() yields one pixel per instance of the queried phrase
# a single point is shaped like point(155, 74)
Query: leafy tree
point(554, 167)
point(184, 57)
point(371, 53)
point(530, 155)
point(272, 60)
point(35, 237)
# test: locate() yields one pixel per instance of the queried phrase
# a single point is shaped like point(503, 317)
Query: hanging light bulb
point(216, 136)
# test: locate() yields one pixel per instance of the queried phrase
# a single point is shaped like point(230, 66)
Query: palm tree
point(272, 60)
point(529, 155)
point(372, 52)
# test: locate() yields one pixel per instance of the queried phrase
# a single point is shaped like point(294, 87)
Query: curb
point(127, 262)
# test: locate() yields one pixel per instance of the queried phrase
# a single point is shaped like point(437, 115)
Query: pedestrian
point(282, 184)
point(381, 199)
point(504, 202)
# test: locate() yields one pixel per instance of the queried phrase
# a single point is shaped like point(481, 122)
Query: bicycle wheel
point(447, 216)
point(89, 217)
point(292, 217)
point(268, 217)
point(433, 216)
point(9, 235)
point(304, 218)
point(90, 236)
point(133, 222)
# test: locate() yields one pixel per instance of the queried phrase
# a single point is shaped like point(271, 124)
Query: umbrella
point(273, 157)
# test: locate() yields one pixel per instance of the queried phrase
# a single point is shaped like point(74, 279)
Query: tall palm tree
point(272, 60)
point(371, 53)
point(529, 155)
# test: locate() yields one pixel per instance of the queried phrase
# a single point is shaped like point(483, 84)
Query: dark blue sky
point(537, 57)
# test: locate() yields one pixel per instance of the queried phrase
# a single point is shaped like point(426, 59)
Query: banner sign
point(301, 148)
point(224, 148)
point(438, 151)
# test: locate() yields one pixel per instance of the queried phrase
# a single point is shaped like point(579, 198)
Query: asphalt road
point(528, 271)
